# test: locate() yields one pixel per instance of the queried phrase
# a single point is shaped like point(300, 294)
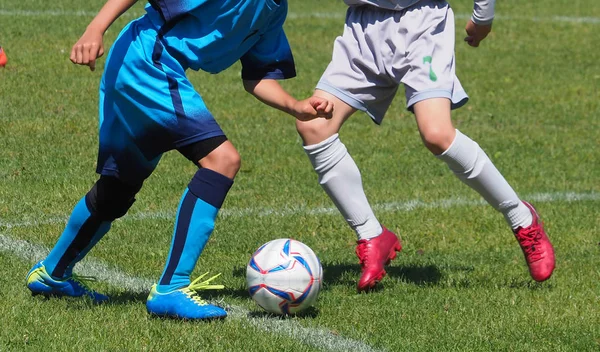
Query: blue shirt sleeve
point(271, 57)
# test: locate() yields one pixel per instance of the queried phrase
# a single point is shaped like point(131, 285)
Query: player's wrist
point(481, 21)
point(96, 28)
point(291, 106)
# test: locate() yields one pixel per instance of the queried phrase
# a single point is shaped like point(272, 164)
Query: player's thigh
point(121, 152)
point(124, 161)
point(318, 129)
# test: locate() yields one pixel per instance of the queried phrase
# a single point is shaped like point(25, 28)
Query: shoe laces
point(192, 289)
point(82, 280)
point(529, 238)
point(362, 252)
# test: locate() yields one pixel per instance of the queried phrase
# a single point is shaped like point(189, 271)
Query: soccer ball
point(284, 276)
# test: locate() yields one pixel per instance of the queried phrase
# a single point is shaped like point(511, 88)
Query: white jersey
point(483, 10)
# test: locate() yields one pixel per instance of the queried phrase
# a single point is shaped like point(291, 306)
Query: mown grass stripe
point(405, 206)
point(303, 15)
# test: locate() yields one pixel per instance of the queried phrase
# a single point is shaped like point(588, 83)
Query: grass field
point(460, 284)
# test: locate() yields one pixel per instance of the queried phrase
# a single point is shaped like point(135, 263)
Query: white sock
point(340, 178)
point(472, 166)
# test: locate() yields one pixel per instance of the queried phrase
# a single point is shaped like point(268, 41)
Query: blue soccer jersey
point(211, 35)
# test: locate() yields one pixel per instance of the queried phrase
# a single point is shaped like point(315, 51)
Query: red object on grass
point(3, 58)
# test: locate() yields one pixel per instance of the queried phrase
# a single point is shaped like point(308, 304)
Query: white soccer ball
point(284, 276)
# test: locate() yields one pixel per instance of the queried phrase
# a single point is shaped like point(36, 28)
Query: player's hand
point(87, 49)
point(476, 32)
point(313, 107)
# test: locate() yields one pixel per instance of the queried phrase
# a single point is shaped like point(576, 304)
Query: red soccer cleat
point(3, 58)
point(373, 254)
point(536, 247)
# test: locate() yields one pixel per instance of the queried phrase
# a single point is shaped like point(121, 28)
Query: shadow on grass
point(335, 274)
point(127, 297)
point(308, 313)
point(443, 275)
point(348, 274)
point(215, 296)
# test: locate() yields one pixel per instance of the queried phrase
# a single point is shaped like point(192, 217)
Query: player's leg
point(472, 166)
point(175, 295)
point(340, 177)
point(356, 79)
point(338, 174)
point(432, 90)
point(122, 168)
point(199, 138)
point(90, 220)
point(467, 160)
point(198, 208)
point(130, 146)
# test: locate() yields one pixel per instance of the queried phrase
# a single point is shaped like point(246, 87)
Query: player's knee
point(225, 160)
point(437, 140)
point(231, 161)
point(216, 153)
point(111, 198)
point(315, 131)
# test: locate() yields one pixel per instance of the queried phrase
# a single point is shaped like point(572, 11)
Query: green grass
point(459, 284)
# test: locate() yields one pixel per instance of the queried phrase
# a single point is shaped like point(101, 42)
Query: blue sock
point(194, 224)
point(82, 232)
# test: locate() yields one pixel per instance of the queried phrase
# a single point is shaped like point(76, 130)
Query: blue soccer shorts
point(147, 106)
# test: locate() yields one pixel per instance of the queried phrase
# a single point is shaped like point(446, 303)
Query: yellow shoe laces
point(192, 290)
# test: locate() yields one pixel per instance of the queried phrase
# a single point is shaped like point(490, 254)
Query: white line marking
point(391, 207)
point(315, 337)
point(302, 15)
point(50, 13)
point(319, 338)
point(464, 16)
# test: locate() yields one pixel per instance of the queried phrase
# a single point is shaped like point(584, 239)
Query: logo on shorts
point(432, 75)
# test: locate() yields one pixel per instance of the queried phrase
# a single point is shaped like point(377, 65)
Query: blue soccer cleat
point(185, 303)
point(39, 282)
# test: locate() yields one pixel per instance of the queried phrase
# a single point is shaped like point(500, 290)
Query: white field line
point(390, 207)
point(300, 15)
point(319, 338)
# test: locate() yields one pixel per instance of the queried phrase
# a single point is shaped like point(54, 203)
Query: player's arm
point(270, 92)
point(271, 59)
point(90, 47)
point(480, 24)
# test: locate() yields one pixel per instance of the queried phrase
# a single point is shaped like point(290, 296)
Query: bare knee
point(435, 124)
point(437, 139)
point(225, 159)
point(316, 130)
